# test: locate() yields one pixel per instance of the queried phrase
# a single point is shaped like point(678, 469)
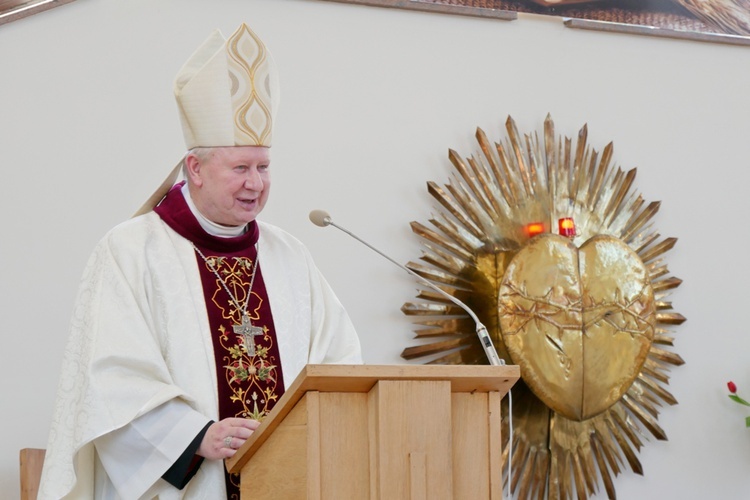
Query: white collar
point(211, 227)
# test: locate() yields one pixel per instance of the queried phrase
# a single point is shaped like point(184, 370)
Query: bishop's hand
point(223, 438)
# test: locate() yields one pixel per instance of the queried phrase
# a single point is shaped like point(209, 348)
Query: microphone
point(322, 218)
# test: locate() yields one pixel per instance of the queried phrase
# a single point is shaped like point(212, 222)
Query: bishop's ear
point(192, 169)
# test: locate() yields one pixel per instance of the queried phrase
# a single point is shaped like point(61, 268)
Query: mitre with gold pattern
point(227, 94)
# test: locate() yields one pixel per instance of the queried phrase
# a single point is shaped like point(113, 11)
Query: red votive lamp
point(534, 228)
point(566, 227)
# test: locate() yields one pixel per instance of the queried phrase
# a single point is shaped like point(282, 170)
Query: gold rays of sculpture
point(584, 315)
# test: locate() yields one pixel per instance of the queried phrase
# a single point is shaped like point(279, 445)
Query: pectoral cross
point(248, 332)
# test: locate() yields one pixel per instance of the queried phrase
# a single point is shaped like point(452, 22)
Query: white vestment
point(138, 381)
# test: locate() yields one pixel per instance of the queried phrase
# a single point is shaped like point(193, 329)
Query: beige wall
point(371, 101)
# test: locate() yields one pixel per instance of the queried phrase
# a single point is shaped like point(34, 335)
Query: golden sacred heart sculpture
point(544, 238)
point(579, 322)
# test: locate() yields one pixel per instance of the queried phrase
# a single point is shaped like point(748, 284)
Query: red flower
point(732, 387)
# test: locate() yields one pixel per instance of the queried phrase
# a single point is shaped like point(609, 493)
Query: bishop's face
point(230, 186)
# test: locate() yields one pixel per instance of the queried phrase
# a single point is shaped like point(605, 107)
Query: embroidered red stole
point(248, 385)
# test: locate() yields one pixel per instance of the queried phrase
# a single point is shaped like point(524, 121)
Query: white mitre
point(227, 94)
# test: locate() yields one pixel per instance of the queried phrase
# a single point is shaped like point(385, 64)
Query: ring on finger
point(228, 441)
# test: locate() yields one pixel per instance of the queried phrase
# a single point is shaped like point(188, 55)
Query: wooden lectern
point(361, 432)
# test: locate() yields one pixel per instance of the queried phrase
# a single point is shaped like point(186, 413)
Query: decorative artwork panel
point(547, 242)
point(723, 21)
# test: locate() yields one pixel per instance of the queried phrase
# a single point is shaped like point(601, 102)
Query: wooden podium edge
point(362, 378)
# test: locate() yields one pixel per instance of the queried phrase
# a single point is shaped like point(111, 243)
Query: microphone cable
point(510, 443)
